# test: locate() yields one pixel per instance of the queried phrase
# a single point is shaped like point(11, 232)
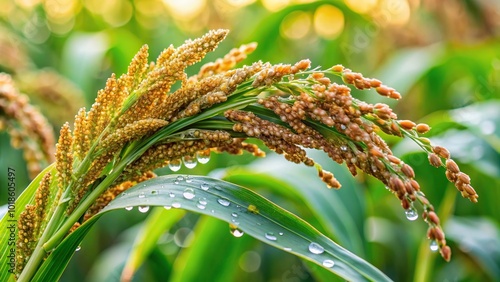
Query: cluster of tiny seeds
point(273, 74)
point(27, 127)
point(64, 157)
point(25, 237)
point(221, 65)
point(360, 82)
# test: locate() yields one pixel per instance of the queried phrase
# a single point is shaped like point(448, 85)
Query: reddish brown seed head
point(422, 128)
point(435, 160)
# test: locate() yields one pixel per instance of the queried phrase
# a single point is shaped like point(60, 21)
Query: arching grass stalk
point(137, 125)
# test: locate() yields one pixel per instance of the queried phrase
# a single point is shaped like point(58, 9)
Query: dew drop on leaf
point(202, 201)
point(167, 207)
point(143, 209)
point(200, 206)
point(223, 202)
point(234, 214)
point(142, 195)
point(235, 231)
point(188, 193)
point(176, 205)
point(328, 263)
point(204, 186)
point(315, 248)
point(171, 194)
point(78, 248)
point(270, 236)
point(129, 208)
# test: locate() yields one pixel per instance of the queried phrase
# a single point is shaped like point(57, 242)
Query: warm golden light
point(328, 21)
point(361, 6)
point(296, 25)
point(275, 5)
point(392, 12)
point(186, 9)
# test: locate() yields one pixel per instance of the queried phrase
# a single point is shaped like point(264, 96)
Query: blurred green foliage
point(443, 56)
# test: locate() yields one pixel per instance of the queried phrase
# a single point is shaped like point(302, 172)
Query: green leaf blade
point(264, 220)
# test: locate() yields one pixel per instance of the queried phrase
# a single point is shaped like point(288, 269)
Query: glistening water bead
point(411, 214)
point(143, 209)
point(175, 165)
point(188, 193)
point(270, 236)
point(434, 246)
point(315, 248)
point(223, 202)
point(204, 186)
point(189, 161)
point(328, 263)
point(203, 157)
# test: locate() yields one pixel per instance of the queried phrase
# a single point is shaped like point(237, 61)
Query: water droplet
point(223, 202)
point(235, 231)
point(234, 214)
point(328, 263)
point(188, 193)
point(202, 201)
point(270, 236)
point(167, 207)
point(188, 179)
point(175, 165)
point(179, 178)
point(200, 206)
point(411, 214)
point(143, 209)
point(142, 195)
point(176, 205)
point(171, 194)
point(235, 221)
point(78, 248)
point(315, 248)
point(154, 192)
point(189, 161)
point(217, 187)
point(204, 186)
point(434, 246)
point(212, 211)
point(281, 233)
point(343, 127)
point(287, 249)
point(203, 157)
point(343, 148)
point(129, 208)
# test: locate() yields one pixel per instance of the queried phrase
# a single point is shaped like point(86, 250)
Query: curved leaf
point(250, 212)
point(255, 216)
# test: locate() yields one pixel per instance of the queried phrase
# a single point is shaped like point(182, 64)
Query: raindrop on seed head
point(189, 161)
point(411, 214)
point(175, 165)
point(434, 246)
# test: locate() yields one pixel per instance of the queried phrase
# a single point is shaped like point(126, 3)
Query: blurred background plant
point(443, 56)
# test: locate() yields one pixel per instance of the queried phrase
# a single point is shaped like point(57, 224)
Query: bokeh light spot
point(328, 21)
point(296, 25)
point(361, 6)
